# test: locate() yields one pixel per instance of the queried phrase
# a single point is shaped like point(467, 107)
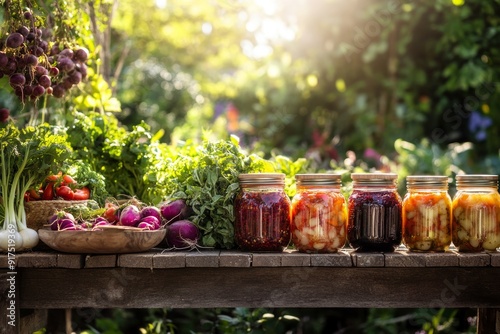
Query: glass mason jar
point(262, 213)
point(374, 213)
point(427, 214)
point(476, 213)
point(319, 214)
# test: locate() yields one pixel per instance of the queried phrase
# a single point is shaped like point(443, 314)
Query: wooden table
point(50, 280)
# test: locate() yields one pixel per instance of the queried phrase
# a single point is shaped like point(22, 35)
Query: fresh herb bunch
point(133, 163)
point(85, 176)
point(206, 177)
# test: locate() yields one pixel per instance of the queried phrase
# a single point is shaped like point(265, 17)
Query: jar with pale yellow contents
point(319, 214)
point(427, 214)
point(476, 213)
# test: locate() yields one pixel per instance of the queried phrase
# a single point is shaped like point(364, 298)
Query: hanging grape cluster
point(36, 66)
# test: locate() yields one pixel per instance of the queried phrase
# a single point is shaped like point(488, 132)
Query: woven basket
point(39, 212)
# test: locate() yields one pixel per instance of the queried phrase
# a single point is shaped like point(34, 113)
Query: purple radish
point(182, 234)
point(151, 211)
point(174, 210)
point(130, 216)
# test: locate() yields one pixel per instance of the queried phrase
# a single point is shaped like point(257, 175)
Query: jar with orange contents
point(427, 214)
point(476, 213)
point(319, 214)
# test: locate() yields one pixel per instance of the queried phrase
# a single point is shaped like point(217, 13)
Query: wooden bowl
point(104, 241)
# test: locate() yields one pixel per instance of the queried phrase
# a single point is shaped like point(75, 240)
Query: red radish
point(130, 216)
point(182, 234)
point(174, 210)
point(63, 224)
point(146, 226)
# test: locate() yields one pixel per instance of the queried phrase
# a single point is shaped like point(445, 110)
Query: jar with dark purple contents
point(375, 208)
point(262, 213)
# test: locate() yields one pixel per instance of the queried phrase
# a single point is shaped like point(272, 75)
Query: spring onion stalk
point(27, 156)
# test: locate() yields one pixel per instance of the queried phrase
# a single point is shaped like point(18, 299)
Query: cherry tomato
point(48, 192)
point(53, 178)
point(111, 213)
point(81, 194)
point(35, 194)
point(65, 192)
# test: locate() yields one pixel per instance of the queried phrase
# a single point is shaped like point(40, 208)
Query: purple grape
point(49, 90)
point(82, 68)
point(58, 91)
point(66, 83)
point(40, 70)
point(28, 15)
point(67, 53)
point(28, 90)
point(14, 40)
point(55, 50)
point(30, 60)
point(44, 81)
point(75, 77)
point(81, 55)
point(11, 66)
point(23, 31)
point(17, 80)
point(38, 91)
point(31, 37)
point(4, 59)
point(54, 71)
point(66, 64)
point(4, 115)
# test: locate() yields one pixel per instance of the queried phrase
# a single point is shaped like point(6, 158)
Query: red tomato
point(110, 214)
point(81, 194)
point(53, 178)
point(65, 192)
point(48, 192)
point(35, 194)
point(67, 180)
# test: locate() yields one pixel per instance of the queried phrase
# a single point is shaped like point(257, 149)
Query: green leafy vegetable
point(27, 155)
point(206, 176)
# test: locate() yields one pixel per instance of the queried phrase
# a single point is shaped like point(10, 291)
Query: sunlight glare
point(161, 4)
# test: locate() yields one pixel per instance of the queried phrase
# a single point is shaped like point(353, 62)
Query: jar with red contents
point(262, 213)
point(319, 214)
point(375, 208)
point(427, 213)
point(476, 213)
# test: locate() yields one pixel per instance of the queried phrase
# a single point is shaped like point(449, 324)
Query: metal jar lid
point(427, 181)
point(374, 179)
point(477, 180)
point(318, 179)
point(262, 179)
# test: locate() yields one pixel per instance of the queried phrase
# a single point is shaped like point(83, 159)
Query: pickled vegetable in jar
point(319, 214)
point(374, 206)
point(476, 213)
point(262, 213)
point(427, 214)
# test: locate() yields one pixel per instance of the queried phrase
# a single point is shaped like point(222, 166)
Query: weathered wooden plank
point(474, 259)
point(235, 259)
point(446, 259)
point(368, 259)
point(101, 261)
point(36, 260)
point(495, 259)
point(488, 320)
point(32, 320)
point(339, 259)
point(266, 259)
point(261, 287)
point(4, 261)
point(404, 259)
point(169, 259)
point(70, 261)
point(292, 258)
point(202, 259)
point(136, 260)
